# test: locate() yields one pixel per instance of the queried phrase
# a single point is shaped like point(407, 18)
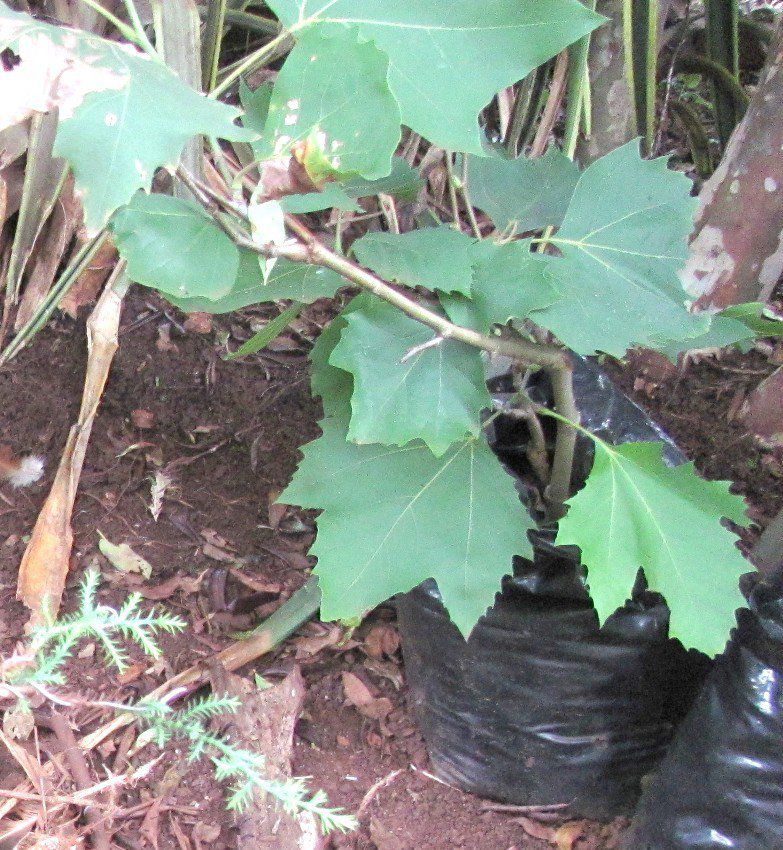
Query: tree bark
point(736, 252)
point(612, 109)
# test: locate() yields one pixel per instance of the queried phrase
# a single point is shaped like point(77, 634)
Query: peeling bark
point(736, 252)
point(612, 110)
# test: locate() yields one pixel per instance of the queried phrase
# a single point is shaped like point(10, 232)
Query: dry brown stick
point(80, 772)
point(549, 115)
point(299, 608)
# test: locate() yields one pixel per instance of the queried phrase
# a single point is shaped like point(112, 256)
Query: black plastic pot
point(721, 783)
point(540, 706)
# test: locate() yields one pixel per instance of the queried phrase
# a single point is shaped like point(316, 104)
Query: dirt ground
point(229, 433)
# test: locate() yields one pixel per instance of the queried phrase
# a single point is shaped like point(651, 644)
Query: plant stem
point(250, 63)
point(246, 20)
point(311, 251)
point(452, 186)
point(122, 28)
point(214, 28)
point(549, 116)
point(466, 198)
point(314, 252)
point(138, 28)
point(565, 442)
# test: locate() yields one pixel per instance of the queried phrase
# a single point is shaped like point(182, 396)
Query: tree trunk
point(736, 252)
point(612, 110)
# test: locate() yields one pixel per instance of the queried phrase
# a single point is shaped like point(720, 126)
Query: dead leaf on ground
point(536, 830)
point(311, 645)
point(142, 419)
point(87, 286)
point(387, 670)
point(275, 511)
point(256, 585)
point(381, 640)
point(160, 483)
point(568, 834)
point(18, 723)
point(179, 835)
point(46, 560)
point(149, 828)
point(166, 589)
point(163, 342)
point(211, 536)
point(124, 558)
point(198, 323)
point(363, 698)
point(218, 554)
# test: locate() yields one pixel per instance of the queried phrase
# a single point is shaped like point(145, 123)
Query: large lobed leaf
point(446, 61)
point(173, 246)
point(623, 240)
point(637, 512)
point(122, 114)
point(288, 281)
point(334, 82)
point(438, 258)
point(509, 282)
point(523, 194)
point(401, 390)
point(394, 517)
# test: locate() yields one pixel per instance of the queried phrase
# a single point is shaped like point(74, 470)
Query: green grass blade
point(640, 23)
point(270, 331)
point(214, 28)
point(723, 49)
point(698, 142)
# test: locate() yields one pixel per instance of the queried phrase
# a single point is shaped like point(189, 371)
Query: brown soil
point(234, 430)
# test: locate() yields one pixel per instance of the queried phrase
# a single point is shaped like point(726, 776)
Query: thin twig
point(549, 116)
point(452, 186)
point(313, 252)
point(466, 198)
point(80, 773)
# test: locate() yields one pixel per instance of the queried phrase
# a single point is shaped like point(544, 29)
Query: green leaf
point(330, 196)
point(509, 282)
point(122, 116)
point(523, 194)
point(753, 316)
point(403, 183)
point(288, 281)
point(271, 330)
point(400, 394)
point(623, 239)
point(737, 325)
point(438, 258)
point(721, 332)
point(255, 102)
point(637, 512)
point(173, 246)
point(332, 88)
point(447, 61)
point(334, 386)
point(393, 517)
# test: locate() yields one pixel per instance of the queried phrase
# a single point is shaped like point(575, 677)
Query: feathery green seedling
point(53, 643)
